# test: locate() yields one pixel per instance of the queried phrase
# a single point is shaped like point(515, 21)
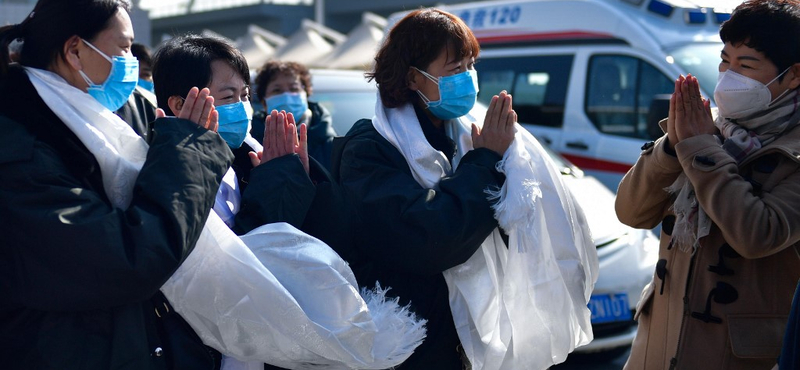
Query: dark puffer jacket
point(408, 235)
point(79, 278)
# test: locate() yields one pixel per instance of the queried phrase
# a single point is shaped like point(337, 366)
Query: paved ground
point(593, 362)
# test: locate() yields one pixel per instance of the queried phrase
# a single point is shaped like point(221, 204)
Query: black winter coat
point(139, 113)
point(79, 278)
point(407, 235)
point(281, 191)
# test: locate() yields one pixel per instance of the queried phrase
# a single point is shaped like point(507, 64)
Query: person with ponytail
point(95, 220)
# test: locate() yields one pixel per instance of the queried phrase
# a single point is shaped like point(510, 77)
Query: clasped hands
point(689, 112)
point(497, 132)
point(280, 134)
point(280, 138)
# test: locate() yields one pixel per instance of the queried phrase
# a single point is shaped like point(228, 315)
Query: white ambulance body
point(583, 73)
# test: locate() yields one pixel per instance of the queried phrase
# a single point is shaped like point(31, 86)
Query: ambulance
point(584, 74)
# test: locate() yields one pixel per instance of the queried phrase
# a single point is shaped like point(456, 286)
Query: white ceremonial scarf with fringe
point(525, 306)
point(275, 295)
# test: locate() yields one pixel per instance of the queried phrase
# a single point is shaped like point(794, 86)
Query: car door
point(608, 123)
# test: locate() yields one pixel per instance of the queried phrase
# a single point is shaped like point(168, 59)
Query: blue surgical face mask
point(294, 103)
point(147, 85)
point(121, 81)
point(234, 122)
point(457, 94)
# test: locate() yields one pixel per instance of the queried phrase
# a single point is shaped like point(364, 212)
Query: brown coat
point(751, 256)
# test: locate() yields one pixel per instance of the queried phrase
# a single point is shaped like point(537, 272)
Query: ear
point(175, 104)
point(795, 81)
point(411, 79)
point(72, 53)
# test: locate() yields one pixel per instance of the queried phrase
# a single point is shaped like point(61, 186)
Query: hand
point(301, 145)
point(692, 112)
point(497, 133)
point(198, 107)
point(671, 135)
point(280, 138)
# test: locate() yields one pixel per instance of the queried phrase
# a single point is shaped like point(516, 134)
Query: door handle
point(578, 145)
point(547, 140)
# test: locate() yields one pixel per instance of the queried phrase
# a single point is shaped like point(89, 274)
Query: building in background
point(14, 11)
point(318, 33)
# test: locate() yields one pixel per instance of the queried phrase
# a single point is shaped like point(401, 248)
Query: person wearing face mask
point(142, 53)
point(278, 190)
point(95, 219)
point(286, 86)
point(431, 190)
point(140, 108)
point(192, 60)
point(274, 180)
point(725, 185)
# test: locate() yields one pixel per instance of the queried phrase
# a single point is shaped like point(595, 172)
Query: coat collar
point(787, 144)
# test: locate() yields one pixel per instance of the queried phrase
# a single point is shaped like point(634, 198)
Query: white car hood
point(597, 203)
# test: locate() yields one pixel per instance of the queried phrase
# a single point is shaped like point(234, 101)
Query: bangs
point(462, 41)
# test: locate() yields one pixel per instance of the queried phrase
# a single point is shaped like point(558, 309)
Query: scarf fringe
point(515, 202)
point(397, 326)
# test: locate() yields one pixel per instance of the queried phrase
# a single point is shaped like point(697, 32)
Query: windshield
point(346, 107)
point(702, 61)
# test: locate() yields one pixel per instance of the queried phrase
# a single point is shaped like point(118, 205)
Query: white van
point(584, 73)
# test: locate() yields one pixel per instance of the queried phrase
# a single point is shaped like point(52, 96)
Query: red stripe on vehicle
point(586, 163)
point(543, 37)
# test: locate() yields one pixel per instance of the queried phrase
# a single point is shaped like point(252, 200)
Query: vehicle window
point(538, 84)
point(619, 92)
point(346, 107)
point(701, 60)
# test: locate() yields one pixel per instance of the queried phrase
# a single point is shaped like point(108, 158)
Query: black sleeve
point(320, 135)
point(65, 248)
point(408, 227)
point(278, 191)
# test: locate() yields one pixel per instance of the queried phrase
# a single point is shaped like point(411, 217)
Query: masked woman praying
point(438, 197)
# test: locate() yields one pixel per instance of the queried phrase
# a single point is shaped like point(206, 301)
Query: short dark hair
point(185, 61)
point(275, 68)
point(142, 53)
point(416, 41)
point(769, 26)
point(51, 23)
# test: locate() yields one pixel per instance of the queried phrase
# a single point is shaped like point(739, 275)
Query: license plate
point(609, 308)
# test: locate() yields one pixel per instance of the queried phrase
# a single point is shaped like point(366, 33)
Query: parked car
point(627, 256)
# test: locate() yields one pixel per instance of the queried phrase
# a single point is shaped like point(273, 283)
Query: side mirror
point(659, 109)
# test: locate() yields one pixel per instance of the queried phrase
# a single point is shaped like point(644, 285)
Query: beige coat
point(750, 260)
